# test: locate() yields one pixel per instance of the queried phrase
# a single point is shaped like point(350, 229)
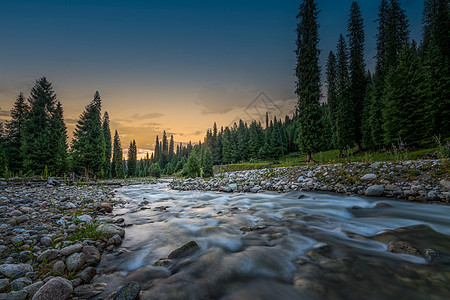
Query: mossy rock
point(130, 291)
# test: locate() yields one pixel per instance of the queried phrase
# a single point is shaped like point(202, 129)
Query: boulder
point(375, 191)
point(56, 288)
point(17, 295)
point(46, 241)
point(87, 274)
point(185, 250)
point(20, 283)
point(109, 230)
point(88, 291)
point(71, 249)
point(401, 247)
point(48, 255)
point(85, 218)
point(75, 262)
point(91, 255)
point(33, 288)
point(130, 291)
point(59, 267)
point(3, 284)
point(445, 183)
point(15, 270)
point(369, 176)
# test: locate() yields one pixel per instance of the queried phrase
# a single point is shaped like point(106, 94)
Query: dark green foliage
point(405, 116)
point(357, 72)
point(207, 162)
point(117, 162)
point(61, 162)
point(108, 144)
point(3, 160)
point(193, 167)
point(256, 139)
point(88, 144)
point(308, 78)
point(43, 132)
point(156, 170)
point(132, 159)
point(332, 95)
point(15, 129)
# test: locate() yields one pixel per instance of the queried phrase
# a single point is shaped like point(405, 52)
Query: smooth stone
point(14, 270)
point(59, 267)
point(92, 255)
point(71, 249)
point(130, 291)
point(375, 190)
point(75, 262)
point(88, 291)
point(56, 288)
point(114, 240)
point(109, 230)
point(33, 288)
point(369, 176)
point(20, 283)
point(87, 274)
point(46, 241)
point(17, 295)
point(185, 250)
point(48, 255)
point(3, 284)
point(85, 218)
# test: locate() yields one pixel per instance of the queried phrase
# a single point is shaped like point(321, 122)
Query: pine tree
point(332, 95)
point(3, 160)
point(193, 167)
point(357, 73)
point(88, 144)
point(404, 116)
point(60, 132)
point(15, 129)
point(132, 159)
point(207, 163)
point(171, 147)
point(157, 149)
point(108, 144)
point(40, 136)
point(117, 163)
point(308, 78)
point(156, 170)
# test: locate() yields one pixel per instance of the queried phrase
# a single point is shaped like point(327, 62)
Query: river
point(279, 246)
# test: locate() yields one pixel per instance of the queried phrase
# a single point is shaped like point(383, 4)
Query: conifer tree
point(332, 95)
point(157, 149)
point(3, 160)
point(117, 163)
point(207, 163)
point(108, 144)
point(357, 73)
point(308, 78)
point(171, 147)
point(60, 148)
point(88, 144)
point(132, 159)
point(193, 167)
point(15, 129)
point(156, 170)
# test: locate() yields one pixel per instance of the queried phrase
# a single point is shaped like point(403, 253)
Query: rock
point(382, 205)
point(76, 282)
point(436, 257)
point(433, 195)
point(87, 274)
point(46, 241)
point(375, 190)
point(71, 249)
point(85, 218)
point(130, 291)
point(369, 176)
point(33, 288)
point(20, 283)
point(375, 165)
point(70, 205)
point(48, 255)
point(17, 295)
point(310, 287)
point(401, 247)
point(162, 262)
point(88, 291)
point(3, 284)
point(92, 255)
point(56, 288)
point(15, 270)
point(75, 261)
point(106, 207)
point(255, 189)
point(114, 240)
point(109, 230)
point(58, 268)
point(445, 183)
point(185, 250)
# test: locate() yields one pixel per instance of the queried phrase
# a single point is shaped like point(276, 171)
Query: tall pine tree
point(332, 94)
point(117, 162)
point(15, 129)
point(108, 144)
point(132, 159)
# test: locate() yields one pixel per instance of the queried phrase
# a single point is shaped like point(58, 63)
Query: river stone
point(3, 284)
point(56, 288)
point(109, 230)
point(375, 165)
point(401, 247)
point(49, 255)
point(87, 274)
point(59, 267)
point(33, 288)
point(185, 250)
point(85, 218)
point(369, 176)
point(46, 241)
point(130, 291)
point(114, 240)
point(88, 291)
point(375, 190)
point(445, 183)
point(71, 249)
point(255, 189)
point(106, 207)
point(92, 255)
point(15, 270)
point(20, 283)
point(75, 261)
point(17, 295)
point(162, 262)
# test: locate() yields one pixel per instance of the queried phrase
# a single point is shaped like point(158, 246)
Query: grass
point(326, 157)
point(87, 232)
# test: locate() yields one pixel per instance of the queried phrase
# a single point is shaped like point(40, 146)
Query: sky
point(168, 65)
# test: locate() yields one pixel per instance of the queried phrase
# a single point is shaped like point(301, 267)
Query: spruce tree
point(156, 170)
point(15, 129)
point(60, 132)
point(193, 167)
point(108, 144)
point(357, 73)
point(132, 159)
point(332, 95)
point(308, 78)
point(117, 162)
point(171, 147)
point(207, 163)
point(88, 144)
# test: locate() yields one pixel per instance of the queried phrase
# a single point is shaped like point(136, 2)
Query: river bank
point(422, 181)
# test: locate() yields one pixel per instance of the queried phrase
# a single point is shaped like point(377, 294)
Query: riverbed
point(297, 245)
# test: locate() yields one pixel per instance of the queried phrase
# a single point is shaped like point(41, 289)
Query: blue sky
point(188, 62)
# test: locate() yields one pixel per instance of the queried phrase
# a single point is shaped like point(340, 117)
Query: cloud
point(147, 116)
point(219, 100)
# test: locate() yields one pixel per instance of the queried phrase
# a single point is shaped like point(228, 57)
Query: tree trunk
point(309, 157)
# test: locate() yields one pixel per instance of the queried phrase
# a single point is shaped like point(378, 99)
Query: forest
point(404, 102)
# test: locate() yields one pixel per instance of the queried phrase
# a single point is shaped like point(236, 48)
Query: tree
point(60, 148)
point(357, 73)
point(308, 78)
point(15, 129)
point(193, 165)
point(207, 166)
point(156, 170)
point(108, 144)
point(88, 144)
point(41, 137)
point(171, 147)
point(332, 94)
point(132, 159)
point(117, 163)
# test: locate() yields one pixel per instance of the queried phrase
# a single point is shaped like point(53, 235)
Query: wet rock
point(401, 247)
point(369, 176)
point(87, 274)
point(109, 230)
point(58, 268)
point(75, 261)
point(48, 255)
point(310, 287)
point(71, 249)
point(382, 205)
point(105, 207)
point(162, 262)
point(436, 257)
point(375, 191)
point(114, 240)
point(255, 189)
point(15, 270)
point(33, 288)
point(76, 282)
point(88, 291)
point(3, 284)
point(56, 288)
point(92, 255)
point(130, 291)
point(185, 250)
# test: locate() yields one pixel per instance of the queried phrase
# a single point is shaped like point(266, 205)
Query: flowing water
point(277, 246)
